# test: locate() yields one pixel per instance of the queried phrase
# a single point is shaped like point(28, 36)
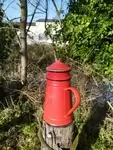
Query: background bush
point(87, 31)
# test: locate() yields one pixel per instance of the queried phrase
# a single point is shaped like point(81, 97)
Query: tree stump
point(58, 138)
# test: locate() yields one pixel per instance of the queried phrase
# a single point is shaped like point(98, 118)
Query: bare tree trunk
point(23, 38)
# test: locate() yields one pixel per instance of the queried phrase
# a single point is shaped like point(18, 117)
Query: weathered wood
point(58, 138)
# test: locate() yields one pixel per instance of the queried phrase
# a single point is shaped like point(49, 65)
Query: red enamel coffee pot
point(58, 109)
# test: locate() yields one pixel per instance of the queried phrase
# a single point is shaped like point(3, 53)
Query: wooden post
point(58, 138)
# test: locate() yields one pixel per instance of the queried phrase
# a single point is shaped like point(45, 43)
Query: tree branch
point(38, 8)
point(38, 3)
point(46, 16)
point(9, 5)
point(57, 11)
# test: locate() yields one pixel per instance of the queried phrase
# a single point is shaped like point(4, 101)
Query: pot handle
point(77, 96)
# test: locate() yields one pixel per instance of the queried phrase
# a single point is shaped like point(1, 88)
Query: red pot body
point(58, 109)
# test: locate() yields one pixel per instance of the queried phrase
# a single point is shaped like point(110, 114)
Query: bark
point(58, 138)
point(23, 38)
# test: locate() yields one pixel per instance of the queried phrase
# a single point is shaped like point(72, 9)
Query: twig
point(9, 5)
point(10, 23)
point(38, 8)
point(110, 105)
point(95, 81)
point(46, 16)
point(110, 120)
point(81, 64)
point(93, 98)
point(38, 3)
point(11, 20)
point(57, 11)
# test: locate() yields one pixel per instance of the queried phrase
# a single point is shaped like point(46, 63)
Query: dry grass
point(93, 118)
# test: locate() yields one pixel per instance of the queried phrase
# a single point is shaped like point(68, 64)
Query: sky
point(12, 9)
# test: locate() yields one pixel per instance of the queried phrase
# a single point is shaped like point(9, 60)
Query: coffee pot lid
point(58, 66)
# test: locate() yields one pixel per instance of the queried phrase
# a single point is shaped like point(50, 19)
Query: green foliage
point(28, 139)
point(87, 30)
point(7, 35)
point(18, 126)
point(6, 38)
